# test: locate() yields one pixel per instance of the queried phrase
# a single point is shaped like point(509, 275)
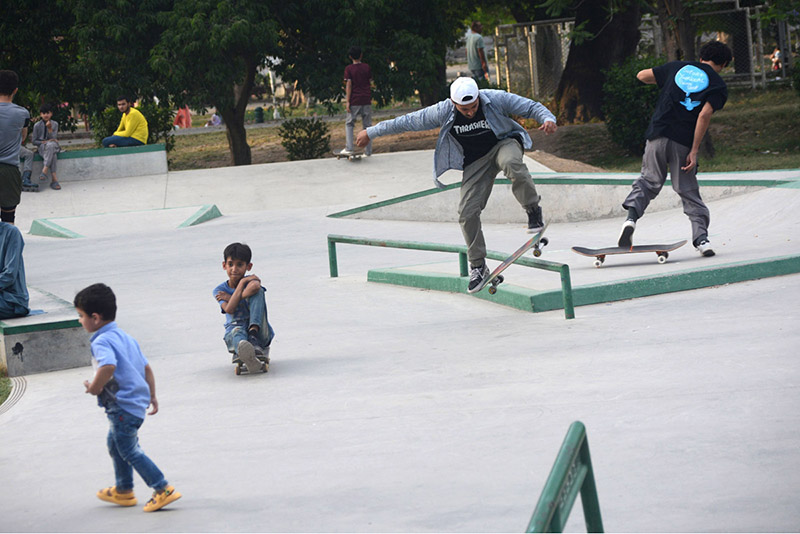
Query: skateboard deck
point(662, 251)
point(496, 278)
point(249, 362)
point(355, 155)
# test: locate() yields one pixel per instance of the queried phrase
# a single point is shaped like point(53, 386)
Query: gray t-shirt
point(13, 119)
point(474, 42)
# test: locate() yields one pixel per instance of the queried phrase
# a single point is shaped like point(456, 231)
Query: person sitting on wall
point(132, 130)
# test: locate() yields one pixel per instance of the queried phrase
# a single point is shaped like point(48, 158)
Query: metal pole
point(566, 292)
point(334, 267)
point(463, 264)
point(749, 30)
point(497, 54)
point(530, 34)
point(761, 49)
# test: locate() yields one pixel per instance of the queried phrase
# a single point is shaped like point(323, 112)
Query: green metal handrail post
point(334, 266)
point(463, 265)
point(571, 474)
point(566, 292)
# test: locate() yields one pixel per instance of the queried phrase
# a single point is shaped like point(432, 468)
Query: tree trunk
point(678, 30)
point(580, 92)
point(234, 118)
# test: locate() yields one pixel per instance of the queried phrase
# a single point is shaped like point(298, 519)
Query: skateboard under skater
point(662, 251)
point(247, 362)
point(353, 156)
point(495, 278)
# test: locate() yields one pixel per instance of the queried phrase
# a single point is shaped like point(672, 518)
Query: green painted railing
point(461, 250)
point(571, 474)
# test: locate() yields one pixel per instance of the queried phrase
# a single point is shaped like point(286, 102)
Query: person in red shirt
point(358, 97)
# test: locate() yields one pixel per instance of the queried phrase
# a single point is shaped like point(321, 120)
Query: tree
point(603, 36)
point(678, 29)
point(209, 53)
point(35, 42)
point(115, 39)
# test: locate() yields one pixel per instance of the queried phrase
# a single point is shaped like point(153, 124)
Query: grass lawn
point(5, 387)
point(756, 130)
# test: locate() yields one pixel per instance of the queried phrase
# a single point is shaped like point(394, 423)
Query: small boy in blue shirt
point(125, 386)
point(242, 299)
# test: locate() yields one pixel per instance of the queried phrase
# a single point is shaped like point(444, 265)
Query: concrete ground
point(395, 409)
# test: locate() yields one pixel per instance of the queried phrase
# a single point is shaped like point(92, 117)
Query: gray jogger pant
point(476, 186)
point(49, 152)
point(350, 121)
point(26, 159)
point(660, 154)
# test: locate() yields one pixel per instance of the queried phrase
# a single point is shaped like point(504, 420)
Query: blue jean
point(127, 455)
point(257, 305)
point(121, 141)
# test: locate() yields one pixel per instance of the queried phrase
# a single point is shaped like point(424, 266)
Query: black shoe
point(476, 277)
point(253, 339)
point(626, 235)
point(535, 222)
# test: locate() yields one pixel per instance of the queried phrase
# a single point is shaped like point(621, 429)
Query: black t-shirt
point(474, 135)
point(685, 88)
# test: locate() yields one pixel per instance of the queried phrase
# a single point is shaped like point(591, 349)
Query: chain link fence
point(530, 57)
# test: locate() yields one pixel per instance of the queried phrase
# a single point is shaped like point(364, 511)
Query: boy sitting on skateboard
point(125, 386)
point(242, 299)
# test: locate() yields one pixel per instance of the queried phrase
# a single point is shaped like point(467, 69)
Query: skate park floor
point(390, 408)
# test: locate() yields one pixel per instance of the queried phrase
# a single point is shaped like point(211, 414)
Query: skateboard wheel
point(492, 290)
point(537, 252)
point(544, 242)
point(598, 263)
point(238, 370)
point(662, 258)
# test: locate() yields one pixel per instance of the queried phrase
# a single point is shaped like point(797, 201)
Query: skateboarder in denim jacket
point(690, 92)
point(478, 136)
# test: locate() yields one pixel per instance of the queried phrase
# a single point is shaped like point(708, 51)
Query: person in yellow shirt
point(132, 130)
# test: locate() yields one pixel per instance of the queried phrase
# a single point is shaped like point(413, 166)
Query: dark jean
point(127, 455)
point(121, 141)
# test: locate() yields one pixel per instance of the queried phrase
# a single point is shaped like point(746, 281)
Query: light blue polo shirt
point(112, 346)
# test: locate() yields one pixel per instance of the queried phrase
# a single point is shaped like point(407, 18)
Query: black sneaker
point(535, 222)
point(626, 235)
point(476, 277)
point(253, 339)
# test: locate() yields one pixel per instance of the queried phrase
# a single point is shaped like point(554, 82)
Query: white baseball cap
point(464, 91)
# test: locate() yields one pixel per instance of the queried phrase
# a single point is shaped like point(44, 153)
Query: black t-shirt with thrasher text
point(474, 135)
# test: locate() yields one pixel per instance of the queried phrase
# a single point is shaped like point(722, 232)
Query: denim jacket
point(497, 106)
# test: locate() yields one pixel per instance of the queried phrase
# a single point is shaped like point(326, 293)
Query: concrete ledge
point(99, 163)
point(50, 339)
point(538, 301)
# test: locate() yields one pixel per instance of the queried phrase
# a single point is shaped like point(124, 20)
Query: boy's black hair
point(355, 52)
point(126, 98)
point(9, 81)
point(716, 51)
point(99, 299)
point(238, 251)
point(45, 108)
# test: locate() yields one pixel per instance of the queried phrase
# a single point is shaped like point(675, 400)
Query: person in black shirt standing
point(690, 92)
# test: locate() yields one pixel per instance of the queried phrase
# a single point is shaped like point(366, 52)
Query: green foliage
point(305, 138)
point(159, 124)
point(629, 104)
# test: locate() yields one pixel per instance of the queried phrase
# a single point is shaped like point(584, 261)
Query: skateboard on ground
point(247, 362)
point(354, 155)
point(495, 278)
point(662, 251)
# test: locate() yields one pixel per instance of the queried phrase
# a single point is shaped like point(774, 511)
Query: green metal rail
point(461, 250)
point(571, 474)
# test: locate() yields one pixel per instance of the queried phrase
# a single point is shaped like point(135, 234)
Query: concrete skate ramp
point(566, 197)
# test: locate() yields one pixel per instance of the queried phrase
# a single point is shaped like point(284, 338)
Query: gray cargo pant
point(350, 121)
point(476, 186)
point(26, 159)
point(660, 154)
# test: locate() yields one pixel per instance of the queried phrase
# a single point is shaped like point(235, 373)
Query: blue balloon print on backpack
point(691, 79)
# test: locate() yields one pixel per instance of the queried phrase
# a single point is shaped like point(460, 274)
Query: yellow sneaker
point(112, 495)
point(161, 498)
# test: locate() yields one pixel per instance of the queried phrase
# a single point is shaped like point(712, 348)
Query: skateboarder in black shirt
point(690, 93)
